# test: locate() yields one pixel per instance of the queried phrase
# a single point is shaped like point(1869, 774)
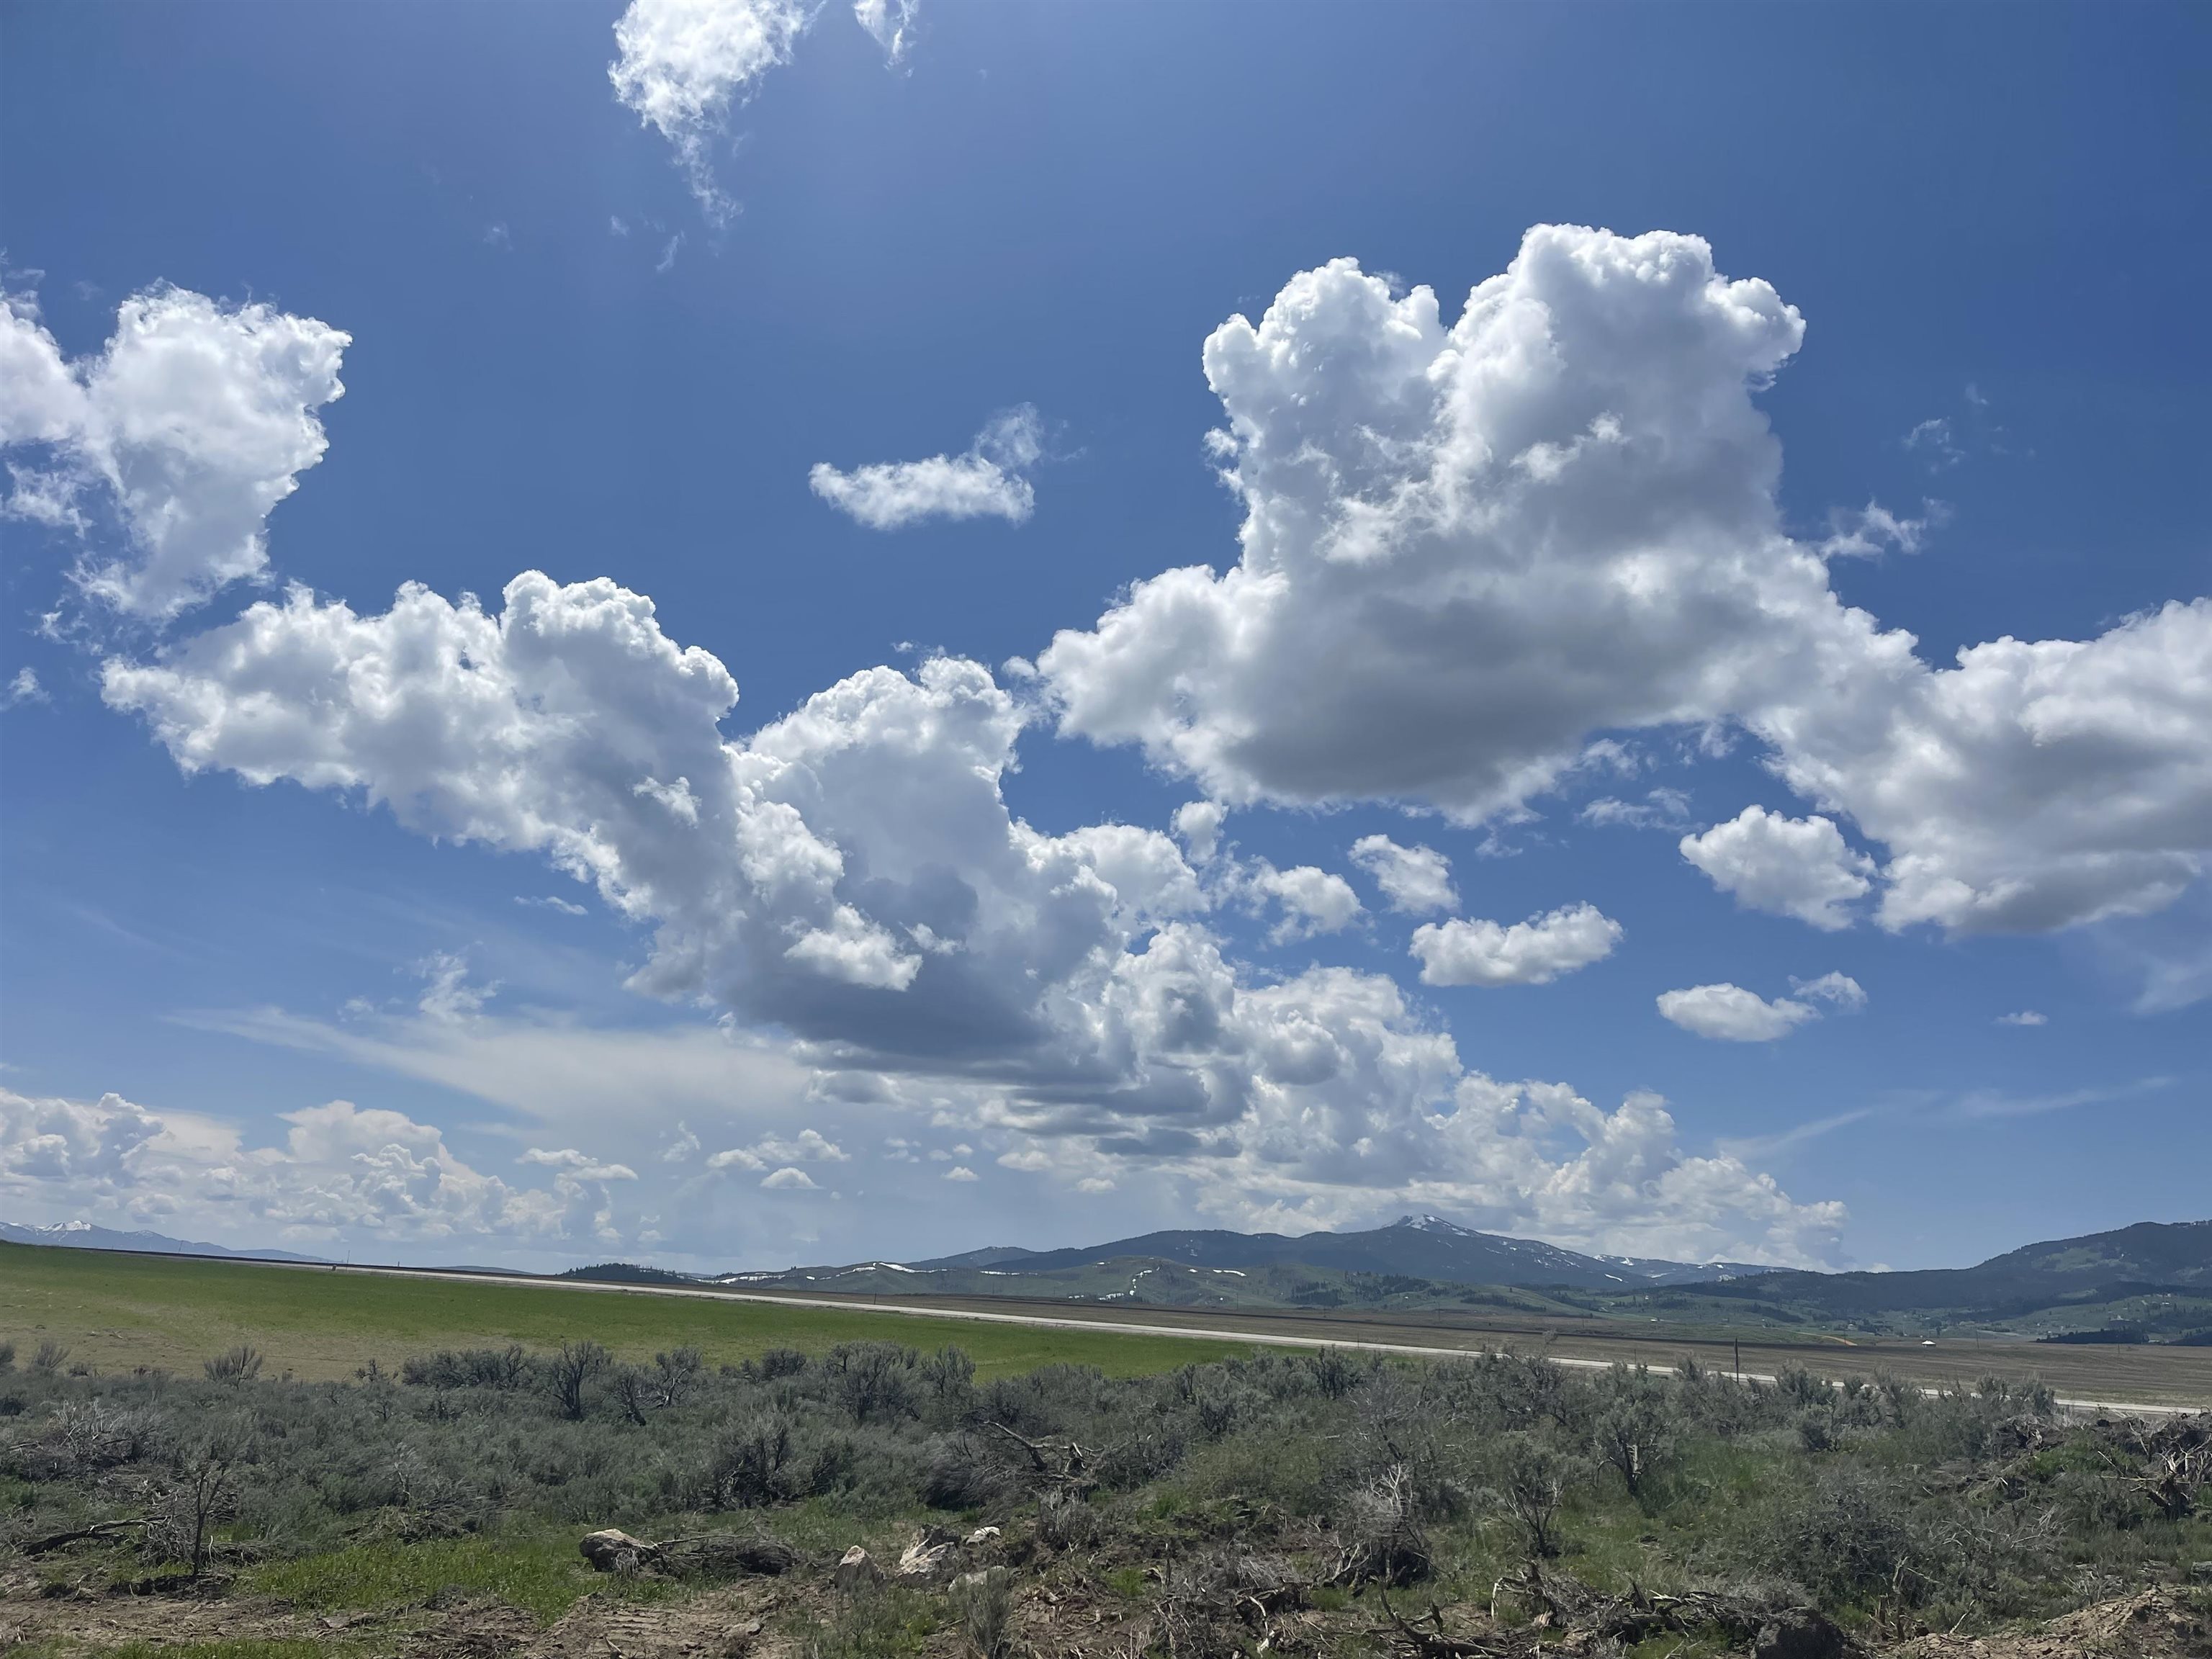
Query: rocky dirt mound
point(2155, 1624)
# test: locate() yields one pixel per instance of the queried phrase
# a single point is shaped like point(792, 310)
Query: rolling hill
point(1417, 1247)
point(2151, 1277)
point(2150, 1282)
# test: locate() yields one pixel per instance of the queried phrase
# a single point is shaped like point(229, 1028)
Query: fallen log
point(612, 1550)
point(98, 1530)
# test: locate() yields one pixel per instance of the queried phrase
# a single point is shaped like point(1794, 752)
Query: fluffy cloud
point(2036, 785)
point(190, 426)
point(988, 480)
point(570, 1161)
point(1532, 952)
point(1551, 519)
point(1414, 879)
point(1732, 1014)
point(1312, 900)
point(339, 1171)
point(1796, 867)
point(1062, 995)
point(1555, 518)
point(1839, 991)
point(809, 1145)
point(850, 872)
point(685, 64)
point(1199, 823)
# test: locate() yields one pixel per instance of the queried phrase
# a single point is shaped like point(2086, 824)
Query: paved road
point(1049, 1321)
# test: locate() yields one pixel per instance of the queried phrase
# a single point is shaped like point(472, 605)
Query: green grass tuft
point(538, 1571)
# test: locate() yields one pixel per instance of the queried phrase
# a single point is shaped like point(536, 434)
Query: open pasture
point(116, 1311)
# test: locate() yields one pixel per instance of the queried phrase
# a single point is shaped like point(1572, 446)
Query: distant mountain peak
point(1434, 1224)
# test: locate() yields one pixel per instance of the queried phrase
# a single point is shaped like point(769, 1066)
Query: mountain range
point(1416, 1246)
point(84, 1235)
point(2148, 1282)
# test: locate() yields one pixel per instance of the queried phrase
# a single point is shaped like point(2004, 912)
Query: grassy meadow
point(117, 1312)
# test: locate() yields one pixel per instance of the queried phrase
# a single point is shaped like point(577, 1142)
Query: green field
point(117, 1312)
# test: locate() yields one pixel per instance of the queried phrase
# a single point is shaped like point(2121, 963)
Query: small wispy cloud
point(1874, 529)
point(1995, 1103)
point(1936, 442)
point(1759, 1147)
point(549, 901)
point(2025, 1016)
point(1660, 809)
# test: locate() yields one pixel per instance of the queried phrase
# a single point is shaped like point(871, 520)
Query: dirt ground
point(2152, 1624)
point(771, 1619)
point(732, 1621)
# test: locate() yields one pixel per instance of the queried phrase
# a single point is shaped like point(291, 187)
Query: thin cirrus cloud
point(1532, 952)
point(684, 66)
point(989, 479)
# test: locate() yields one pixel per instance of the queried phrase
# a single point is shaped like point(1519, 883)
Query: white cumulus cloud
point(581, 1165)
point(1312, 901)
point(1798, 867)
point(1532, 952)
point(685, 64)
point(988, 480)
point(1732, 1014)
point(187, 428)
point(1414, 879)
point(1065, 991)
point(338, 1170)
point(1554, 518)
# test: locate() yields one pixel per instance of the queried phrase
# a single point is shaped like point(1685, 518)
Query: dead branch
point(98, 1530)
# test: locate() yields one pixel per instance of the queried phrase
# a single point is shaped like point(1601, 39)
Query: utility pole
point(1739, 1359)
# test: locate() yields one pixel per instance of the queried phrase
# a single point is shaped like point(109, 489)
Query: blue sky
point(1919, 346)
